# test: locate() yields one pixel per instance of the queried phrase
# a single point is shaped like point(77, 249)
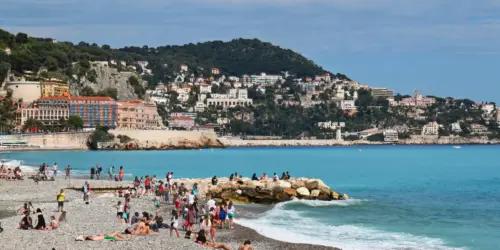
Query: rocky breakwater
point(264, 191)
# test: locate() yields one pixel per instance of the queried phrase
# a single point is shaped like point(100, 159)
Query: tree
point(7, 112)
point(4, 69)
point(21, 38)
point(75, 122)
point(100, 134)
point(33, 124)
point(51, 63)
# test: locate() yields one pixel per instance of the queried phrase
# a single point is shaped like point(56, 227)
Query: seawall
point(164, 140)
point(55, 141)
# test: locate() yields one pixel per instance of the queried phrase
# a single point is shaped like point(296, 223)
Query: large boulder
point(303, 191)
point(284, 184)
point(282, 196)
point(298, 184)
point(335, 195)
point(315, 193)
point(344, 197)
point(290, 191)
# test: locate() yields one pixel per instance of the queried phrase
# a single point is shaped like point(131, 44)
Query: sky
point(440, 47)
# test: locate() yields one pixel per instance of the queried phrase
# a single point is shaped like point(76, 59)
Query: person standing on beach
point(121, 173)
point(54, 168)
point(67, 170)
point(61, 197)
point(231, 210)
point(85, 189)
point(92, 173)
point(111, 172)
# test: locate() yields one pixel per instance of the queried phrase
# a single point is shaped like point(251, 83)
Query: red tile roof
point(78, 98)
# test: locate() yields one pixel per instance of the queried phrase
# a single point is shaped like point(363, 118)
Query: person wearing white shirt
point(211, 204)
point(55, 169)
point(191, 198)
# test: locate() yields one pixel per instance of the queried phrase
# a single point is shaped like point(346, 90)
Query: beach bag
point(124, 215)
point(188, 234)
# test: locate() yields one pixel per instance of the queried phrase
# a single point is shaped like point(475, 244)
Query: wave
point(318, 203)
point(292, 225)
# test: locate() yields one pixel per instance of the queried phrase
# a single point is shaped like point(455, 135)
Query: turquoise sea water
point(403, 197)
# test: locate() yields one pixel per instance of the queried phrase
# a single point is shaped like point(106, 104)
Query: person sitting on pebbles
point(247, 245)
point(140, 229)
point(202, 240)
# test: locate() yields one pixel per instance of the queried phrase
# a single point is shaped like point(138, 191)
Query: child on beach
point(174, 223)
point(157, 205)
point(119, 212)
point(231, 210)
point(54, 224)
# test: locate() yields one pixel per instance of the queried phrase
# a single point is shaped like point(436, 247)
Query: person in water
point(121, 173)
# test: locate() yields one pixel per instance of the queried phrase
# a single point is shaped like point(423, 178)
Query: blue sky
point(442, 47)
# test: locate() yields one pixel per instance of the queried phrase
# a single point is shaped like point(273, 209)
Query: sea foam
point(293, 226)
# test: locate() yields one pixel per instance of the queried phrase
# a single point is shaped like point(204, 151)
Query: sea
point(401, 197)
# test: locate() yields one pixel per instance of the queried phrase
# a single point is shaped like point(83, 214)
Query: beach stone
point(298, 184)
point(315, 193)
point(325, 190)
point(290, 191)
point(283, 196)
point(284, 184)
point(345, 197)
point(226, 186)
point(258, 184)
point(303, 191)
point(323, 197)
point(311, 185)
point(335, 195)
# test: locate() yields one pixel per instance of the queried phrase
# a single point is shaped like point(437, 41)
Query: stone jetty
point(245, 190)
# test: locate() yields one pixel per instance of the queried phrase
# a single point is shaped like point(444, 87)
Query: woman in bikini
point(202, 240)
point(116, 236)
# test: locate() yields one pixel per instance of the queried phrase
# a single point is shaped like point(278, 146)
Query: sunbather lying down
point(116, 236)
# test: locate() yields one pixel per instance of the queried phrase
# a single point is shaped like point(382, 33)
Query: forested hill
point(236, 57)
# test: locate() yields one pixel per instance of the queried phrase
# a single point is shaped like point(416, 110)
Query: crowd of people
point(188, 213)
point(198, 219)
point(8, 173)
point(26, 222)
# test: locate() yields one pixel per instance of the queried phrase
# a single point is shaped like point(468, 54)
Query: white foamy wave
point(291, 226)
point(18, 163)
point(318, 203)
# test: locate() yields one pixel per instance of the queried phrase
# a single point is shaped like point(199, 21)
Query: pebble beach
point(99, 216)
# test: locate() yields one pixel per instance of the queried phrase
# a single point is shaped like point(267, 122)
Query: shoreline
point(258, 145)
point(100, 217)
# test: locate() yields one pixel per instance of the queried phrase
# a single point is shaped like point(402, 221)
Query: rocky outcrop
point(263, 192)
point(163, 140)
point(106, 77)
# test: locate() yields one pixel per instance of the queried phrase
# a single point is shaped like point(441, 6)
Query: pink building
point(181, 122)
point(415, 101)
point(138, 114)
